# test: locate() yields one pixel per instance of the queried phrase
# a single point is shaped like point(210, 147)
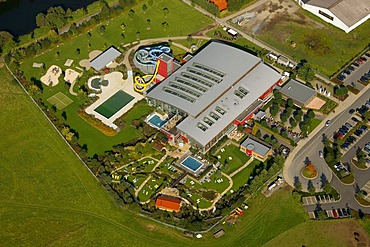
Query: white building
point(344, 14)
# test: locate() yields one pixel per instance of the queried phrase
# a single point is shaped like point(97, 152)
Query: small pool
point(191, 163)
point(157, 121)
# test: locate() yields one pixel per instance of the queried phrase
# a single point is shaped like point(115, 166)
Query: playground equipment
point(141, 82)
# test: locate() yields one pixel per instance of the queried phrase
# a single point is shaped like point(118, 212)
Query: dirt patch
point(315, 43)
point(276, 12)
point(205, 30)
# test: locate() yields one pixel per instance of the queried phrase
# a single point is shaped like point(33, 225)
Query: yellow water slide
point(141, 82)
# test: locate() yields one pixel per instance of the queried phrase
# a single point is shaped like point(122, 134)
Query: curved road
point(310, 147)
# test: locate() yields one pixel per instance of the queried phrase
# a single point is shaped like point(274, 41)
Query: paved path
point(242, 167)
point(219, 196)
point(149, 177)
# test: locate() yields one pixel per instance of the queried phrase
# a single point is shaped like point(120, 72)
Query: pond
point(12, 10)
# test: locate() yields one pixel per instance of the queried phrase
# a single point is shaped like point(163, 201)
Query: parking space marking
point(309, 200)
point(312, 215)
point(330, 213)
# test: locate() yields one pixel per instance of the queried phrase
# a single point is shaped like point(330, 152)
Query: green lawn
point(314, 123)
point(323, 233)
point(327, 49)
point(47, 196)
point(149, 188)
point(242, 177)
point(238, 158)
point(217, 186)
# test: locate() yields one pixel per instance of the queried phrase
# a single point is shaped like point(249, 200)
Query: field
point(112, 105)
point(324, 233)
point(242, 177)
point(181, 19)
point(324, 46)
point(238, 158)
point(47, 196)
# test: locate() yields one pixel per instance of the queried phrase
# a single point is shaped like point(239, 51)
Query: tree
point(274, 109)
point(148, 22)
point(131, 14)
point(105, 10)
point(311, 114)
point(189, 38)
point(165, 25)
point(306, 73)
point(102, 29)
point(144, 8)
point(258, 134)
point(284, 117)
point(55, 17)
point(289, 102)
point(292, 122)
point(165, 12)
point(278, 97)
point(64, 115)
point(40, 20)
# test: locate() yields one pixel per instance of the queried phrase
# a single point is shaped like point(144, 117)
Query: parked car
point(335, 214)
point(356, 64)
point(321, 154)
point(354, 119)
point(364, 58)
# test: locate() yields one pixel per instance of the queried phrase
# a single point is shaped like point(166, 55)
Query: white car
point(327, 123)
point(321, 154)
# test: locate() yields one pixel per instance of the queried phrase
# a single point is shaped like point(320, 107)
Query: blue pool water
point(157, 121)
point(191, 163)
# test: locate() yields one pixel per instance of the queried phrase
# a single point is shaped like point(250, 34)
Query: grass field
point(115, 103)
point(238, 158)
point(323, 233)
point(242, 177)
point(326, 49)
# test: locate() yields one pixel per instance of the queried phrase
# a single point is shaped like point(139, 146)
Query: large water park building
point(216, 90)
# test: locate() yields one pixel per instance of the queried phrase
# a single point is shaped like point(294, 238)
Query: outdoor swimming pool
point(191, 163)
point(156, 121)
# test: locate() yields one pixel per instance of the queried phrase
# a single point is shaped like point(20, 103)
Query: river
point(19, 16)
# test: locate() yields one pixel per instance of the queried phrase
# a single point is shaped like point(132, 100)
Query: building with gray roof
point(301, 94)
point(255, 149)
point(219, 87)
point(344, 14)
point(105, 58)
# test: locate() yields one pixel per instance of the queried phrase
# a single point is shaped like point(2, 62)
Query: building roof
point(168, 203)
point(298, 91)
point(348, 11)
point(257, 147)
point(105, 58)
point(221, 4)
point(219, 82)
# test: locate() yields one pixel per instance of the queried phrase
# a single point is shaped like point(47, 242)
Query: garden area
point(150, 188)
point(231, 158)
point(242, 178)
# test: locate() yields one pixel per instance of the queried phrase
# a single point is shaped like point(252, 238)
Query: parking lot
point(366, 188)
point(355, 72)
point(310, 200)
point(332, 213)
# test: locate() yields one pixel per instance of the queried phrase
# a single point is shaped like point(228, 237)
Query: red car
point(335, 214)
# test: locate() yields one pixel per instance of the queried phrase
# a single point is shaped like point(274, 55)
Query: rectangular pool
point(191, 163)
point(156, 121)
point(115, 103)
